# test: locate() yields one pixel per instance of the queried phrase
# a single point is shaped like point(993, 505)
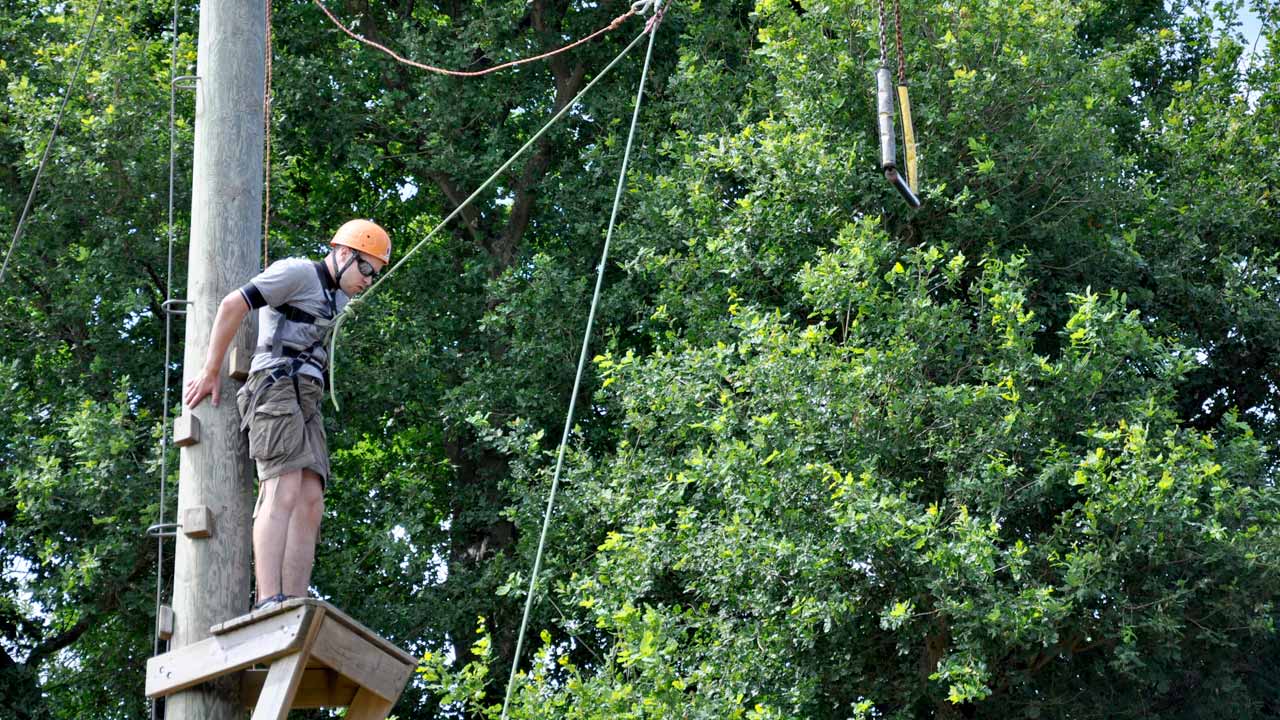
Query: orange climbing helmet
point(366, 236)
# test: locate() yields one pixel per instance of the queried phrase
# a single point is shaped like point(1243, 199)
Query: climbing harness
point(297, 358)
point(885, 112)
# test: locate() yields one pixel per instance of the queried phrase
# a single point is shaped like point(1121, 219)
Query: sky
point(1251, 27)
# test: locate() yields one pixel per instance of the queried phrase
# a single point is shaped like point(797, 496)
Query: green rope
point(337, 327)
point(582, 362)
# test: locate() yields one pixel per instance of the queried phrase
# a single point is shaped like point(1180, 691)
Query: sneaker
point(270, 602)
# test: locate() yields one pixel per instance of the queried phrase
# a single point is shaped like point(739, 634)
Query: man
point(297, 301)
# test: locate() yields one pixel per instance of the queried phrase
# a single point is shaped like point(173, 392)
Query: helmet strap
point(338, 274)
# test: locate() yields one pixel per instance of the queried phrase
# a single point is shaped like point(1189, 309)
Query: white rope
point(346, 312)
point(582, 361)
point(44, 158)
point(651, 30)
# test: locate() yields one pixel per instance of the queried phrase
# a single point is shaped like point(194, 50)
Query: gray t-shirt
point(292, 281)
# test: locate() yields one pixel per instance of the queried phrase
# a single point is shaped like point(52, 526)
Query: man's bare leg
point(304, 530)
point(271, 531)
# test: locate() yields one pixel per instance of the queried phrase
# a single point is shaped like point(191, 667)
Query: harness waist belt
point(287, 351)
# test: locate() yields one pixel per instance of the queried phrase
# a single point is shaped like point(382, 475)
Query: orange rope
point(476, 73)
point(266, 121)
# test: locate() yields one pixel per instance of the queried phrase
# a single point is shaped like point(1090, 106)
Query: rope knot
point(643, 7)
point(659, 11)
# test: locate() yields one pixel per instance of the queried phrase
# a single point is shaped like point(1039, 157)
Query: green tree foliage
point(951, 469)
point(81, 353)
point(904, 508)
point(1009, 455)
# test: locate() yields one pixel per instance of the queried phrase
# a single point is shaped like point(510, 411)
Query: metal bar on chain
point(888, 143)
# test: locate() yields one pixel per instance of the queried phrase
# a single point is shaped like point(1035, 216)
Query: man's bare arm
point(231, 312)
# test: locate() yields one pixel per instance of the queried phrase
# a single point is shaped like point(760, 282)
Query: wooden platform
point(314, 655)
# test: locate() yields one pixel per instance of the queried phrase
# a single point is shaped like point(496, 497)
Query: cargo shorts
point(286, 431)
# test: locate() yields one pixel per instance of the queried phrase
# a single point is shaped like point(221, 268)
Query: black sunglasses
point(366, 268)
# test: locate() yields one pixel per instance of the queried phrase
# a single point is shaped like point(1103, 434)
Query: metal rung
point(185, 82)
point(167, 306)
point(160, 530)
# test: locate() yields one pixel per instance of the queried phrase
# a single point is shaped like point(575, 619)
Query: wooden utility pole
point(211, 564)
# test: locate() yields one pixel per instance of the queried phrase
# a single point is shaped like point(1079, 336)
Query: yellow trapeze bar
point(908, 137)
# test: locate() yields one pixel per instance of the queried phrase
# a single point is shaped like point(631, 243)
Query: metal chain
point(884, 41)
point(897, 26)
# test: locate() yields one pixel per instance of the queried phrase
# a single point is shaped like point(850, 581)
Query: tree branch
point(107, 602)
point(568, 81)
point(470, 215)
point(61, 640)
point(159, 285)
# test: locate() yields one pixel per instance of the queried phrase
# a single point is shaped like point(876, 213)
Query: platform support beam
point(315, 656)
point(368, 706)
